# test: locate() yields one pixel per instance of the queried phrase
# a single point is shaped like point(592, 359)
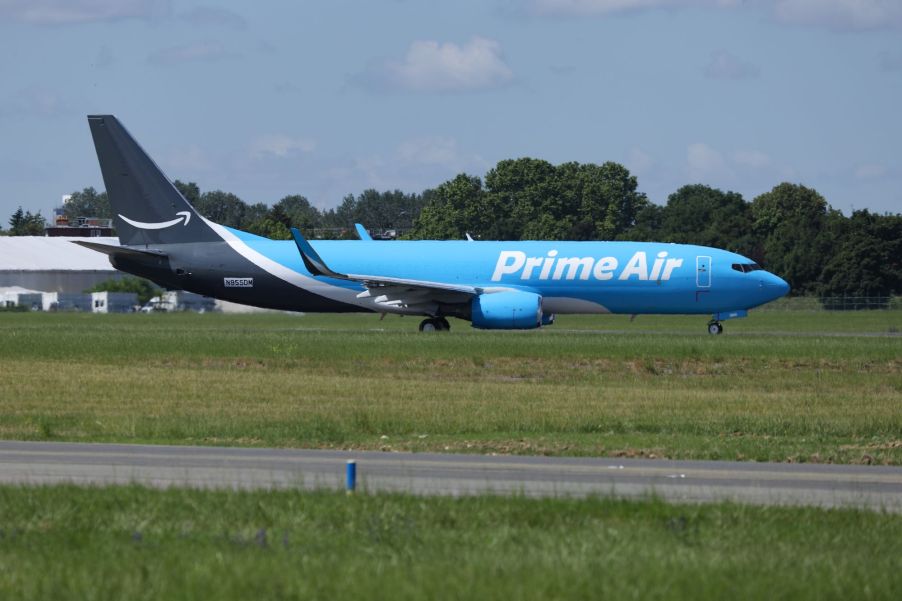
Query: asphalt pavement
point(874, 487)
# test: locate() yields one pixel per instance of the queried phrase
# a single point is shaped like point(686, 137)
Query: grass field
point(776, 386)
point(133, 543)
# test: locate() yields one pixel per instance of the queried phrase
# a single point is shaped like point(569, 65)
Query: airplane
point(506, 285)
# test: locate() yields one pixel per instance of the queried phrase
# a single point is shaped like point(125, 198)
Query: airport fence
point(834, 303)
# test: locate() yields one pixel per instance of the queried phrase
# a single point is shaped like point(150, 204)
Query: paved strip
point(874, 487)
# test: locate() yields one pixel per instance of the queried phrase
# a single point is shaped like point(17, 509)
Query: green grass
point(776, 386)
point(67, 542)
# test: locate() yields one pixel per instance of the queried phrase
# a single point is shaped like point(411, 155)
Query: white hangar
point(53, 264)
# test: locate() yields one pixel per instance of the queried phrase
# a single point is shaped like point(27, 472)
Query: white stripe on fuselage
point(278, 270)
point(312, 285)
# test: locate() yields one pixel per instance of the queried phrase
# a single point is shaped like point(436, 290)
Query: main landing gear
point(715, 327)
point(435, 324)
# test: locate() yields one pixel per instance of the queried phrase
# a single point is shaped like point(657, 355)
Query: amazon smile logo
point(182, 215)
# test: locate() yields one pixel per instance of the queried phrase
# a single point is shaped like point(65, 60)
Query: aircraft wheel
point(715, 328)
point(428, 325)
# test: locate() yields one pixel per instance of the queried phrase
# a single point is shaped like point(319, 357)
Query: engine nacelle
point(509, 310)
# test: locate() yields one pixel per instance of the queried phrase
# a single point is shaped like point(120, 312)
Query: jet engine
point(509, 310)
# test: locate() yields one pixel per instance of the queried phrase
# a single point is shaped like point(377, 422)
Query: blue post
point(351, 472)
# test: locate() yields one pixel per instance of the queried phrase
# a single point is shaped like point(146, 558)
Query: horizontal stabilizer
point(123, 251)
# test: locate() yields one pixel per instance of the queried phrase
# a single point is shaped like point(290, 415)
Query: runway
point(874, 487)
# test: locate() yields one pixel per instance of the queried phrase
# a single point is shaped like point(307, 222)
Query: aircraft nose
point(776, 284)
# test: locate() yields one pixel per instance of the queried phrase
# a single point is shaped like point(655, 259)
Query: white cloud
point(608, 7)
point(724, 65)
point(431, 66)
point(215, 17)
point(279, 145)
point(733, 169)
point(64, 12)
point(191, 52)
point(638, 161)
point(840, 15)
point(414, 165)
point(837, 15)
point(871, 171)
point(437, 154)
point(754, 159)
point(705, 162)
point(429, 151)
point(187, 161)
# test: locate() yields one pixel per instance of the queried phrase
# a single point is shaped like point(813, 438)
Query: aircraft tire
point(429, 325)
point(715, 328)
point(443, 324)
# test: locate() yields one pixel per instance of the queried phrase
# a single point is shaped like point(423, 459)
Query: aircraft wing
point(388, 291)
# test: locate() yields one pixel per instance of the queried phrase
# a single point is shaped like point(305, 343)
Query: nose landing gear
point(715, 327)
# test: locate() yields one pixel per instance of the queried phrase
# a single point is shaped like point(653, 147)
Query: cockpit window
point(746, 267)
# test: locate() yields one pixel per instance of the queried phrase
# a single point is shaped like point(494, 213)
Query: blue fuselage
point(571, 277)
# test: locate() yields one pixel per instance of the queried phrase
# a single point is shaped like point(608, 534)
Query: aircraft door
point(703, 272)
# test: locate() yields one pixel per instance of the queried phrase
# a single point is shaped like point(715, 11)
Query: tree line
point(790, 230)
point(25, 223)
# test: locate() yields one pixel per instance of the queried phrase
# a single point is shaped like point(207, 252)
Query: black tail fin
point(147, 208)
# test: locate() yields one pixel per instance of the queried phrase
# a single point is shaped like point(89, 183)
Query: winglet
point(362, 233)
point(312, 261)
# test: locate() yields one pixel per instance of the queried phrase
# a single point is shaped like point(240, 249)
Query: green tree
point(609, 200)
point(275, 225)
point(16, 221)
point(145, 289)
point(648, 226)
point(699, 214)
point(388, 210)
point(867, 260)
point(87, 203)
point(298, 212)
point(518, 193)
point(791, 221)
point(534, 200)
point(190, 191)
point(391, 209)
point(253, 214)
point(453, 209)
point(25, 223)
point(222, 207)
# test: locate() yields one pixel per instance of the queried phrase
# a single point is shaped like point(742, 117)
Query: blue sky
point(325, 98)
